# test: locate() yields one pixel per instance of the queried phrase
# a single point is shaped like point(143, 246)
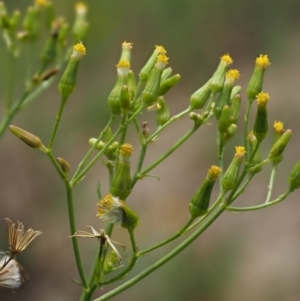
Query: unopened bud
point(168, 83)
point(81, 26)
point(294, 178)
point(130, 219)
point(31, 22)
point(145, 72)
point(199, 203)
point(256, 82)
point(131, 83)
point(235, 108)
point(256, 159)
point(100, 144)
point(68, 80)
point(121, 185)
point(200, 97)
point(65, 166)
point(277, 149)
point(126, 52)
point(231, 175)
point(162, 112)
point(30, 139)
point(217, 80)
point(260, 128)
point(225, 119)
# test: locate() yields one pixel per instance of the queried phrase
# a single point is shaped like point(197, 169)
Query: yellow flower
point(278, 127)
point(262, 61)
point(78, 51)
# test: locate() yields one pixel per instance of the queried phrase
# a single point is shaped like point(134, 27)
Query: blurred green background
point(246, 256)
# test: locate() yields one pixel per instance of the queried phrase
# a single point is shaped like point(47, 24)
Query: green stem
point(7, 118)
point(88, 154)
point(220, 146)
point(11, 81)
point(81, 174)
point(124, 132)
point(243, 187)
point(74, 239)
point(165, 259)
point(162, 243)
point(170, 151)
point(271, 183)
point(57, 121)
point(210, 210)
point(140, 163)
point(265, 205)
point(172, 119)
point(246, 130)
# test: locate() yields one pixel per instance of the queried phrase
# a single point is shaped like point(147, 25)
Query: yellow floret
point(123, 64)
point(126, 149)
point(262, 61)
point(233, 74)
point(262, 98)
point(160, 49)
point(214, 171)
point(239, 151)
point(79, 50)
point(126, 45)
point(227, 59)
point(278, 127)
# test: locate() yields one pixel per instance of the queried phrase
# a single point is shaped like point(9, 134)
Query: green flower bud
point(130, 219)
point(111, 260)
point(4, 19)
point(260, 129)
point(114, 98)
point(145, 72)
point(225, 119)
point(31, 22)
point(49, 14)
point(162, 112)
point(65, 166)
point(217, 80)
point(63, 33)
point(256, 81)
point(236, 90)
point(199, 98)
point(125, 99)
point(81, 26)
point(126, 52)
point(68, 80)
point(199, 203)
point(257, 157)
point(231, 175)
point(121, 185)
point(278, 147)
point(197, 118)
point(100, 144)
point(30, 139)
point(166, 73)
point(294, 179)
point(151, 91)
point(235, 108)
point(231, 130)
point(49, 52)
point(224, 98)
point(278, 130)
point(131, 83)
point(168, 83)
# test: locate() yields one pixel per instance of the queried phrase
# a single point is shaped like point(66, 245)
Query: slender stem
point(56, 165)
point(7, 118)
point(243, 187)
point(57, 121)
point(265, 205)
point(165, 259)
point(210, 210)
point(140, 163)
point(220, 146)
point(172, 119)
point(124, 132)
point(88, 154)
point(170, 151)
point(11, 80)
point(162, 243)
point(271, 183)
point(74, 239)
point(80, 175)
point(246, 130)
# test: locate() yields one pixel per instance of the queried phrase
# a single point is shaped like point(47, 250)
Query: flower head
point(78, 51)
point(123, 67)
point(160, 49)
point(262, 99)
point(214, 172)
point(226, 59)
point(262, 61)
point(278, 127)
point(232, 75)
point(162, 61)
point(239, 151)
point(10, 272)
point(40, 3)
point(110, 210)
point(81, 8)
point(18, 239)
point(102, 237)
